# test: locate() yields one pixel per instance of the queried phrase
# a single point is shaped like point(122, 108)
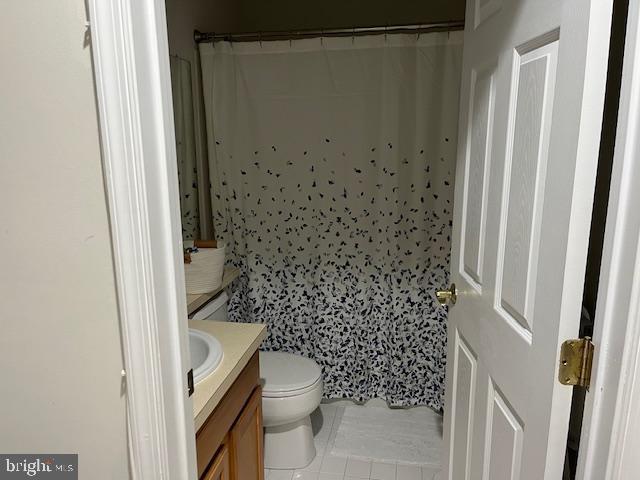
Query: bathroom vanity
point(228, 406)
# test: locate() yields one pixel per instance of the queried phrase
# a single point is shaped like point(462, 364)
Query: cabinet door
point(219, 469)
point(245, 441)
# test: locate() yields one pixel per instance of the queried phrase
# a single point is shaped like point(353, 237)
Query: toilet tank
point(216, 309)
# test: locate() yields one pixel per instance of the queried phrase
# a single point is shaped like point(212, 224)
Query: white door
point(532, 97)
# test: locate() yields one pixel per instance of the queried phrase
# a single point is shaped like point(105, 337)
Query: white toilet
point(291, 390)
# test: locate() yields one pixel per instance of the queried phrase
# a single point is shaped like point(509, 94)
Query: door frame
point(133, 89)
point(610, 436)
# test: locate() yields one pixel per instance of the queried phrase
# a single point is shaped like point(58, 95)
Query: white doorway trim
point(610, 439)
point(131, 62)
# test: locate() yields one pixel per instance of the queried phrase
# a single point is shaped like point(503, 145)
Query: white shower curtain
point(332, 165)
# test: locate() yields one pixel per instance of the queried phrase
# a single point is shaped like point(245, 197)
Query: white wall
point(60, 352)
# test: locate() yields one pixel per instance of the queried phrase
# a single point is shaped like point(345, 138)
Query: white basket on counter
point(204, 273)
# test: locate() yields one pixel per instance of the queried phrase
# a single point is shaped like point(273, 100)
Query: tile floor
point(326, 466)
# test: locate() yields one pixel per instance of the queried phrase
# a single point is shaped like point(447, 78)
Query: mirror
point(181, 87)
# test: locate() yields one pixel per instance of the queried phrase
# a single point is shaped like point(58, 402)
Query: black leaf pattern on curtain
point(332, 183)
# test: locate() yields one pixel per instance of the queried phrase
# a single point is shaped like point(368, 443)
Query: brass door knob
point(447, 296)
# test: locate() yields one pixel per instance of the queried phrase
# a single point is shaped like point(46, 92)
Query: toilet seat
point(292, 393)
point(287, 375)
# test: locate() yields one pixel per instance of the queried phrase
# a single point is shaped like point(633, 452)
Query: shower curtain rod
point(203, 37)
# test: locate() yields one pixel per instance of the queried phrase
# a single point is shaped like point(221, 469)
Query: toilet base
point(289, 446)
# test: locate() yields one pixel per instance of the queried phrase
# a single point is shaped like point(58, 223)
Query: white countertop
point(239, 342)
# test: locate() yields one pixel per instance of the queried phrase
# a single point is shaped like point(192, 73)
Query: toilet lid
point(285, 372)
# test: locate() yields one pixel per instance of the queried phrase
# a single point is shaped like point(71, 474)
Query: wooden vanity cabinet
point(229, 445)
point(219, 469)
point(246, 438)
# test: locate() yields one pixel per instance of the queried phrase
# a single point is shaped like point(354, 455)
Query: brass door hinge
point(576, 357)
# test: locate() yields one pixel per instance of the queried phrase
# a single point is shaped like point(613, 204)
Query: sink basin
point(206, 353)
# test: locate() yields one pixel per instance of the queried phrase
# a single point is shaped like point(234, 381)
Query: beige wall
point(60, 352)
point(183, 17)
point(225, 16)
point(256, 15)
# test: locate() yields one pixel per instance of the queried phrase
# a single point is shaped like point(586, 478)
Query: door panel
point(465, 375)
point(477, 173)
point(504, 439)
point(533, 85)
